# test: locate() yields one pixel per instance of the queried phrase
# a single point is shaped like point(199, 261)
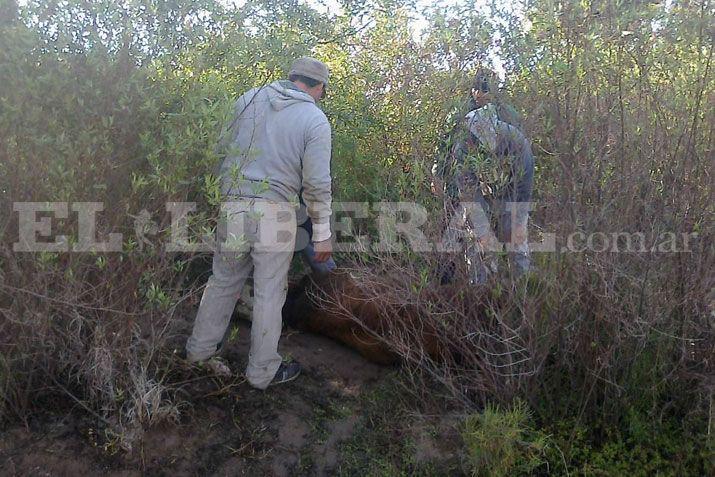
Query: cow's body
point(335, 306)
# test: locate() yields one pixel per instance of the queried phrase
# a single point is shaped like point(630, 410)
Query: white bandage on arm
point(321, 232)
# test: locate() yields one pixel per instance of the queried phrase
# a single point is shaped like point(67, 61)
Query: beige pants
point(259, 238)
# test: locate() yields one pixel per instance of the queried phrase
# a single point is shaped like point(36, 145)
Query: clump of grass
point(500, 442)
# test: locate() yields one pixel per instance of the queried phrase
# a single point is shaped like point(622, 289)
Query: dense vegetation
point(122, 103)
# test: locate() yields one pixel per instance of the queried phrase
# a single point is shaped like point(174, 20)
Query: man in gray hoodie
point(277, 145)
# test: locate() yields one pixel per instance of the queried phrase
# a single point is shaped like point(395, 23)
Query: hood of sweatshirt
point(483, 123)
point(285, 93)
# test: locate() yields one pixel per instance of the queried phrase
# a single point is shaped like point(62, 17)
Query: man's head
point(484, 83)
point(311, 76)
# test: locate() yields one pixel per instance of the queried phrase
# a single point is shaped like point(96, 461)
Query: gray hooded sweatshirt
point(277, 145)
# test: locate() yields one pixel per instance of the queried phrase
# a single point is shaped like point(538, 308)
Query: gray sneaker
point(286, 372)
point(217, 366)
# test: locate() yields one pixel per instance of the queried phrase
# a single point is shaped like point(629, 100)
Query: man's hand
point(481, 98)
point(323, 250)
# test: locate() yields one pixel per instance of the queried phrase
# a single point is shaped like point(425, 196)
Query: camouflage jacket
point(468, 167)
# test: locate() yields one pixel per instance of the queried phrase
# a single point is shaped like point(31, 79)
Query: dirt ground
point(342, 416)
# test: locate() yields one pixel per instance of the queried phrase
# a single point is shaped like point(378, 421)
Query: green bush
point(640, 446)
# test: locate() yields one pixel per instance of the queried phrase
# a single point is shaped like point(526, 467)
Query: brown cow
point(335, 306)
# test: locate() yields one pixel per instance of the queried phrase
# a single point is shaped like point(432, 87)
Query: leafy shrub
point(638, 446)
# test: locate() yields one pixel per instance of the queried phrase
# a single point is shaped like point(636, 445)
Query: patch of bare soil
point(228, 428)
